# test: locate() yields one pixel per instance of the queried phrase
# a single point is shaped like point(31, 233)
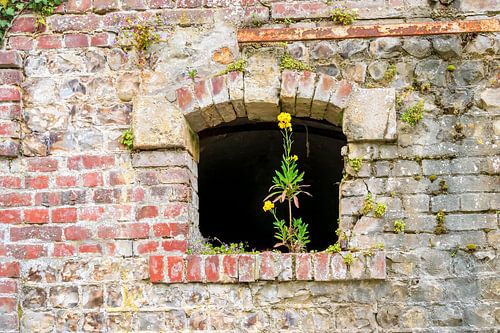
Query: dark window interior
point(237, 163)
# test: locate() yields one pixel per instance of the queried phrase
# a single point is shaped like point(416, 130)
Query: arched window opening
point(237, 163)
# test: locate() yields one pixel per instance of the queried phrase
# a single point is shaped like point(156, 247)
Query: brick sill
point(267, 266)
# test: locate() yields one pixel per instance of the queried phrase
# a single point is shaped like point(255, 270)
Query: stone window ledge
point(267, 266)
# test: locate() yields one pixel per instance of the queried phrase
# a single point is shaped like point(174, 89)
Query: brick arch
point(259, 94)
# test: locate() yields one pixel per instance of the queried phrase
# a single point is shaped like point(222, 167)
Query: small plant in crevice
point(127, 139)
point(414, 114)
point(440, 228)
point(369, 206)
point(471, 247)
point(237, 66)
point(380, 210)
point(141, 36)
point(255, 21)
point(425, 87)
point(192, 74)
point(390, 73)
point(343, 15)
point(432, 178)
point(287, 186)
point(348, 259)
point(223, 248)
point(335, 248)
point(443, 186)
point(451, 68)
point(355, 164)
point(287, 22)
point(289, 62)
point(399, 226)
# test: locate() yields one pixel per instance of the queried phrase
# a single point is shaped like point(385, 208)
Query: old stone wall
point(95, 237)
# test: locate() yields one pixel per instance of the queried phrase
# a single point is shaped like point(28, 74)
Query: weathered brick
point(77, 6)
point(174, 245)
point(175, 269)
point(22, 43)
point(8, 304)
point(288, 91)
point(229, 271)
point(212, 268)
point(37, 182)
point(156, 268)
point(43, 164)
point(305, 94)
point(194, 268)
point(93, 179)
point(40, 215)
point(321, 263)
point(49, 42)
point(76, 233)
point(9, 148)
point(124, 231)
point(90, 248)
point(65, 181)
point(103, 39)
point(63, 250)
point(10, 111)
point(170, 229)
point(303, 267)
point(11, 76)
point(103, 6)
point(339, 268)
point(26, 251)
point(10, 216)
point(10, 182)
point(47, 233)
point(26, 24)
point(15, 200)
point(63, 215)
point(146, 247)
point(9, 269)
point(160, 4)
point(247, 268)
point(267, 266)
point(76, 40)
point(10, 59)
point(10, 94)
point(8, 286)
point(146, 212)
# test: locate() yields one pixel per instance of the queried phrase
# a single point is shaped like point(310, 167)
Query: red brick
point(160, 4)
point(64, 23)
point(147, 247)
point(27, 251)
point(185, 99)
point(103, 6)
point(9, 269)
point(10, 216)
point(303, 267)
point(230, 267)
point(106, 196)
point(267, 266)
point(97, 162)
point(93, 214)
point(93, 179)
point(10, 59)
point(37, 215)
point(11, 76)
point(339, 268)
point(63, 250)
point(124, 231)
point(63, 215)
point(175, 269)
point(377, 265)
point(48, 199)
point(76, 233)
point(37, 182)
point(246, 268)
point(42, 164)
point(8, 287)
point(212, 268)
point(156, 268)
point(8, 304)
point(188, 3)
point(78, 6)
point(10, 111)
point(15, 200)
point(10, 182)
point(217, 3)
point(321, 263)
point(117, 178)
point(23, 43)
point(10, 94)
point(66, 181)
point(47, 233)
point(49, 42)
point(174, 210)
point(9, 128)
point(194, 268)
point(170, 229)
point(9, 148)
point(26, 24)
point(173, 245)
point(90, 248)
point(120, 212)
point(146, 212)
point(133, 5)
point(102, 39)
point(76, 40)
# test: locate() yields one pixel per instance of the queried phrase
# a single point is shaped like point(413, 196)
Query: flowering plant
point(286, 188)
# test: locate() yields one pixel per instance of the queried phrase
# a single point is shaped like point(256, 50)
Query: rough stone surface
point(370, 116)
point(95, 238)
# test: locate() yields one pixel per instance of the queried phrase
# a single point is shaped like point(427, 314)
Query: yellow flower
point(282, 125)
point(284, 117)
point(294, 158)
point(268, 205)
